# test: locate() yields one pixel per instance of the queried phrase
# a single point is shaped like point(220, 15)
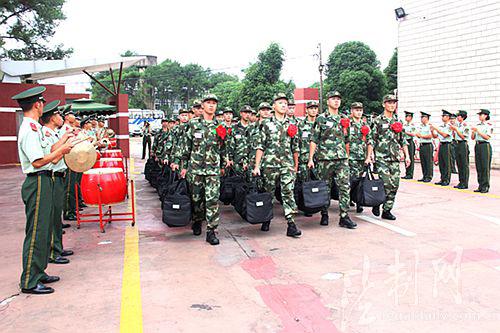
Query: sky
point(225, 35)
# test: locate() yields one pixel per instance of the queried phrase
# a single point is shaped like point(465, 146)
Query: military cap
point(357, 105)
point(236, 119)
point(390, 98)
point(85, 120)
point(246, 108)
point(408, 113)
point(333, 94)
point(486, 112)
point(462, 113)
point(228, 110)
point(51, 107)
point(254, 111)
point(291, 101)
point(280, 96)
point(311, 104)
point(210, 97)
point(164, 120)
point(182, 110)
point(264, 105)
point(453, 115)
point(66, 109)
point(424, 114)
point(31, 95)
point(172, 119)
point(219, 113)
point(196, 103)
point(446, 113)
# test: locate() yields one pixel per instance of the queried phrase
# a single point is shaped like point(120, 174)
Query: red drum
point(109, 182)
point(108, 162)
point(112, 143)
point(115, 153)
point(98, 154)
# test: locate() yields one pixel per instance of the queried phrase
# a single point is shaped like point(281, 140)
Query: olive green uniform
point(426, 153)
point(483, 152)
point(462, 153)
point(444, 155)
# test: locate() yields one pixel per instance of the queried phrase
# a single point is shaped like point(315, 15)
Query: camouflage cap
point(390, 98)
point(311, 104)
point(172, 119)
point(246, 108)
point(182, 110)
point(279, 96)
point(31, 95)
point(210, 97)
point(196, 103)
point(51, 107)
point(228, 110)
point(357, 105)
point(265, 105)
point(219, 113)
point(164, 120)
point(333, 94)
point(291, 101)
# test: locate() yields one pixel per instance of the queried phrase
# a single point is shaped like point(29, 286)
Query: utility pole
point(320, 68)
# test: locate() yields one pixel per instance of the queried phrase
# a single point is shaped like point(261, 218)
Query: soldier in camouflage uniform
point(359, 143)
point(330, 146)
point(174, 140)
point(461, 134)
point(202, 148)
point(228, 118)
point(278, 150)
point(238, 141)
point(159, 140)
point(410, 130)
point(264, 112)
point(387, 142)
point(306, 126)
point(253, 117)
point(444, 133)
point(290, 112)
point(196, 109)
point(219, 116)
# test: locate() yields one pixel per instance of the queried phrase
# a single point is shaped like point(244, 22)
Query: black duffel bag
point(148, 168)
point(252, 204)
point(370, 191)
point(312, 194)
point(177, 205)
point(165, 180)
point(228, 184)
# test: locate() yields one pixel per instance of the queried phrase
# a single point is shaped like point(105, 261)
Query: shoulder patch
point(33, 127)
point(47, 133)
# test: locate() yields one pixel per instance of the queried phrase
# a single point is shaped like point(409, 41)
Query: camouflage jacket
point(305, 132)
point(159, 142)
point(330, 138)
point(201, 148)
point(386, 143)
point(237, 148)
point(357, 146)
point(253, 131)
point(277, 145)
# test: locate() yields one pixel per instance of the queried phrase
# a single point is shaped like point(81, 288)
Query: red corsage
point(229, 131)
point(345, 123)
point(397, 127)
point(365, 130)
point(292, 130)
point(221, 132)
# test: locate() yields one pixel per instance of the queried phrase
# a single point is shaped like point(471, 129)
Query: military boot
point(346, 222)
point(292, 230)
point(376, 210)
point(196, 227)
point(265, 226)
point(324, 219)
point(386, 214)
point(212, 237)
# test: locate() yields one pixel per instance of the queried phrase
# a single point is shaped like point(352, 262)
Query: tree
point(391, 72)
point(26, 28)
point(353, 70)
point(228, 93)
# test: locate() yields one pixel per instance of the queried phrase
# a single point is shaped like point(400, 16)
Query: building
point(449, 58)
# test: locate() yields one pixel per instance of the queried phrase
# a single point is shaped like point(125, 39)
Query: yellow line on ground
point(488, 195)
point(132, 166)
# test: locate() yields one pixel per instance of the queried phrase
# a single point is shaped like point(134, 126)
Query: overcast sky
point(224, 34)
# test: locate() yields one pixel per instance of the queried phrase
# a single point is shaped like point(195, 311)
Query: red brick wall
point(302, 96)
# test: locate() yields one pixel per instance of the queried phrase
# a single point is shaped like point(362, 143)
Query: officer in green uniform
point(278, 150)
point(387, 143)
point(52, 120)
point(482, 133)
point(453, 122)
point(461, 135)
point(37, 191)
point(238, 141)
point(306, 127)
point(443, 132)
point(410, 130)
point(202, 149)
point(329, 146)
point(426, 150)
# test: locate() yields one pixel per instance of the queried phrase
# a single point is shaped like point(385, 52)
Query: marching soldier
point(426, 148)
point(306, 127)
point(202, 148)
point(159, 141)
point(330, 145)
point(290, 112)
point(238, 145)
point(37, 191)
point(277, 150)
point(253, 117)
point(461, 135)
point(409, 134)
point(264, 112)
point(443, 132)
point(219, 116)
point(175, 139)
point(228, 118)
point(482, 133)
point(197, 109)
point(387, 141)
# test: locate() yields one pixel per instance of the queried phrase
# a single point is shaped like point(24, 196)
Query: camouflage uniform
point(238, 146)
point(159, 143)
point(253, 131)
point(358, 148)
point(304, 138)
point(331, 156)
point(386, 147)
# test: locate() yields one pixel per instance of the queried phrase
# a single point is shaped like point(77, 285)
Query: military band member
point(443, 132)
point(482, 133)
point(453, 122)
point(36, 157)
point(461, 135)
point(426, 149)
point(409, 133)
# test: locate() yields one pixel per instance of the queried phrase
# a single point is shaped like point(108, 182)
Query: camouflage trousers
point(389, 172)
point(205, 198)
point(338, 170)
point(356, 168)
point(286, 177)
point(303, 170)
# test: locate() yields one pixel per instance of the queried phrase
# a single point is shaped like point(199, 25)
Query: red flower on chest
point(292, 130)
point(345, 123)
point(397, 127)
point(221, 132)
point(365, 130)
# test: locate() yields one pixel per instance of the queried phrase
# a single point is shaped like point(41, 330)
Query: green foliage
point(391, 72)
point(353, 70)
point(228, 93)
point(26, 27)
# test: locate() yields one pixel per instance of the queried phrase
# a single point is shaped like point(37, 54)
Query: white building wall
point(449, 58)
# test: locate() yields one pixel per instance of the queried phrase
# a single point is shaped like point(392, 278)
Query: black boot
point(359, 209)
point(292, 230)
point(196, 227)
point(265, 226)
point(212, 237)
point(387, 215)
point(346, 222)
point(324, 219)
point(376, 210)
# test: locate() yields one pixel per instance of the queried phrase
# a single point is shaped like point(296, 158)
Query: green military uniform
point(409, 127)
point(253, 135)
point(462, 151)
point(426, 151)
point(358, 145)
point(175, 141)
point(483, 153)
point(304, 136)
point(159, 140)
point(444, 155)
point(386, 146)
point(238, 144)
point(69, 207)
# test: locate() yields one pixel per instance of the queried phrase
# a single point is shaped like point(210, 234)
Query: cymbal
point(81, 157)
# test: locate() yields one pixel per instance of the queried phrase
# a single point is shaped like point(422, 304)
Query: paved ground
point(435, 269)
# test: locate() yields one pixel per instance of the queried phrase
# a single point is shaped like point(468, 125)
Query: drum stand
point(107, 216)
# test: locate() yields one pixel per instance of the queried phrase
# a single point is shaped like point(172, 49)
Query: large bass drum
point(109, 182)
point(109, 162)
point(113, 153)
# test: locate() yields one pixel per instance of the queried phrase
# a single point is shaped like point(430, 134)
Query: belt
point(59, 174)
point(482, 142)
point(461, 141)
point(40, 173)
point(426, 143)
point(445, 143)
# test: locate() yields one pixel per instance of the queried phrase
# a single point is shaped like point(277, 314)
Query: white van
point(137, 117)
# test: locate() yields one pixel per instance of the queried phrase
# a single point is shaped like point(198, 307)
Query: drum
point(115, 153)
point(112, 143)
point(98, 155)
point(109, 182)
point(109, 162)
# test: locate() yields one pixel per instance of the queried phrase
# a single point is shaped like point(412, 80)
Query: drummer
point(87, 131)
point(101, 128)
point(36, 156)
point(51, 120)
